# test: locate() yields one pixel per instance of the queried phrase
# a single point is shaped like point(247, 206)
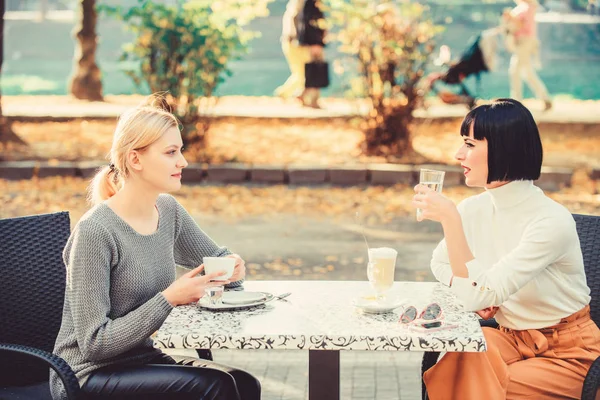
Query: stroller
point(480, 56)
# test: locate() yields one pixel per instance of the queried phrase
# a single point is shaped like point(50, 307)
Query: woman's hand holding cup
point(239, 271)
point(192, 286)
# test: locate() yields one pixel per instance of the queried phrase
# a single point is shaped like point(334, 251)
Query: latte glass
point(380, 270)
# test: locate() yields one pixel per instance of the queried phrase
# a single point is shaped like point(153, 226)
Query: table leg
point(204, 354)
point(323, 374)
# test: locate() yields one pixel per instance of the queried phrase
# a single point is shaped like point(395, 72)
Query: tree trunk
point(6, 133)
point(85, 82)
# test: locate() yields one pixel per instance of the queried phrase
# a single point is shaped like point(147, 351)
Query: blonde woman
point(121, 284)
point(525, 48)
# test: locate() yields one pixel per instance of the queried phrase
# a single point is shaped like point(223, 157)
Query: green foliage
point(390, 44)
point(184, 49)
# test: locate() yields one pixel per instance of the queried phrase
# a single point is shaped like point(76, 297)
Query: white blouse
point(527, 257)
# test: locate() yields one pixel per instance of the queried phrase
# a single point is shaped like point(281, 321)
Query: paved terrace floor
point(364, 375)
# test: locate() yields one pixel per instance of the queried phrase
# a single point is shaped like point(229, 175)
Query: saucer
point(372, 306)
point(237, 298)
point(204, 303)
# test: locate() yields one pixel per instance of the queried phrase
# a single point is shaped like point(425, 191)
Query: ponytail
point(106, 183)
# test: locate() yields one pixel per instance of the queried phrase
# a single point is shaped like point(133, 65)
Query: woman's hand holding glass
point(239, 271)
point(192, 286)
point(434, 205)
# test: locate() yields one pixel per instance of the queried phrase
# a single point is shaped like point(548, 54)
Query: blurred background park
point(70, 68)
point(288, 187)
point(39, 52)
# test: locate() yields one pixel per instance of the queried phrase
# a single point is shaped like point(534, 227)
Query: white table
point(319, 316)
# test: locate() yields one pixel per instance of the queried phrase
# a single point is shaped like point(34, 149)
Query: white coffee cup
point(216, 264)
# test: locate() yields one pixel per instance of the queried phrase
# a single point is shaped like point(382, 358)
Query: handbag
point(316, 74)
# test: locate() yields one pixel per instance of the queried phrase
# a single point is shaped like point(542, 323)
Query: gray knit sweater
point(113, 300)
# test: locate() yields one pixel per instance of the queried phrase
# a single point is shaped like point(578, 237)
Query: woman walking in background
point(311, 35)
point(296, 55)
point(525, 51)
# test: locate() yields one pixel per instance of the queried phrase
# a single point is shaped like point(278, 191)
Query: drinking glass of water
point(434, 180)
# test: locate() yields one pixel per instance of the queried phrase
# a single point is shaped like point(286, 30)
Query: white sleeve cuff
point(474, 269)
point(443, 275)
point(461, 285)
point(469, 290)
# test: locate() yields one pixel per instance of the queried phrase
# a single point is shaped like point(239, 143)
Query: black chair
point(588, 229)
point(32, 291)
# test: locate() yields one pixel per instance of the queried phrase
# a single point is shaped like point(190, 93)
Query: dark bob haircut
point(514, 145)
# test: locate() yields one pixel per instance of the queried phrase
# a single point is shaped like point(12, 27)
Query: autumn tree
point(388, 46)
point(85, 82)
point(184, 50)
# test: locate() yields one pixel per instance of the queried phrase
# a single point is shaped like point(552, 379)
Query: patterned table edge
point(301, 342)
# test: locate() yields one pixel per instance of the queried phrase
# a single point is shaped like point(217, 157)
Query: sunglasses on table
point(432, 313)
